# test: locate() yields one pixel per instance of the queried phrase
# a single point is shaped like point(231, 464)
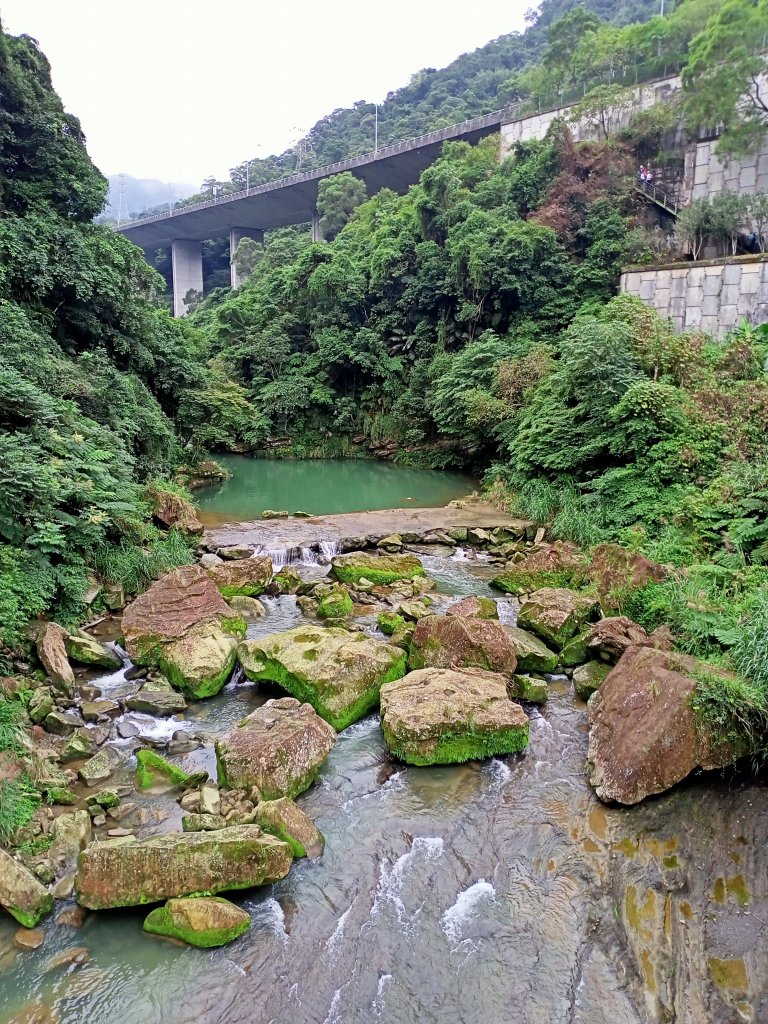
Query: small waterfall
point(319, 553)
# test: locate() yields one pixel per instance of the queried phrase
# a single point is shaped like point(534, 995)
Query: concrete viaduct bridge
point(292, 200)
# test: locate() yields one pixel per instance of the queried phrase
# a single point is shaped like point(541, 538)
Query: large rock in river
point(644, 736)
point(474, 608)
point(440, 716)
point(555, 614)
point(379, 569)
point(339, 673)
point(532, 654)
point(247, 577)
point(278, 748)
point(86, 651)
point(128, 873)
point(453, 642)
point(616, 571)
point(183, 626)
point(202, 921)
point(609, 638)
point(552, 565)
point(20, 892)
point(52, 652)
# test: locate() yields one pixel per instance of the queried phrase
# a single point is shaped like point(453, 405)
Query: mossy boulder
point(41, 704)
point(442, 716)
point(575, 651)
point(616, 572)
point(131, 873)
point(556, 614)
point(21, 894)
point(157, 697)
point(86, 651)
point(51, 647)
point(79, 745)
point(390, 622)
point(201, 921)
point(532, 654)
point(99, 767)
point(282, 818)
point(278, 748)
point(474, 608)
point(551, 565)
point(530, 688)
point(452, 642)
point(183, 626)
point(248, 577)
point(416, 609)
point(151, 768)
point(339, 673)
point(335, 604)
point(609, 638)
point(589, 677)
point(379, 569)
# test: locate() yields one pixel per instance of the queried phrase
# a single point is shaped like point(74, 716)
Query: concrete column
point(316, 236)
point(235, 236)
point(187, 266)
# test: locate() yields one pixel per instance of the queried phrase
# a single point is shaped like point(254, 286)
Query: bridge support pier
point(235, 237)
point(316, 235)
point(187, 268)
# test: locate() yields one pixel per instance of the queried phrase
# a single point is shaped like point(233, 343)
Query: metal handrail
point(668, 201)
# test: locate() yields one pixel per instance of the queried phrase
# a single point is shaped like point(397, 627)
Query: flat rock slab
point(279, 748)
point(302, 532)
point(201, 921)
point(21, 894)
point(643, 734)
point(441, 716)
point(339, 673)
point(128, 873)
point(157, 697)
point(379, 569)
point(455, 642)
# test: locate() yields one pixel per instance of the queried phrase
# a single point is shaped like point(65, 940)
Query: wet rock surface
point(204, 921)
point(454, 642)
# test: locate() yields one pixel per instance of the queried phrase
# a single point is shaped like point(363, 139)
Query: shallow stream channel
point(488, 892)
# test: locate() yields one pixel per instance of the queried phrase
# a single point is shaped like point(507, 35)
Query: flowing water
point(490, 892)
point(322, 487)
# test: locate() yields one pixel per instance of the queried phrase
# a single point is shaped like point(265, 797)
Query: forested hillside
point(100, 389)
point(475, 83)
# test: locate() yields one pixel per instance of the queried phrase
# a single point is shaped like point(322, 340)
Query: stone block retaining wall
point(712, 296)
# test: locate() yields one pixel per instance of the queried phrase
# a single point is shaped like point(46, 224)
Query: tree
point(693, 224)
point(724, 78)
point(757, 213)
point(602, 108)
point(337, 199)
point(727, 216)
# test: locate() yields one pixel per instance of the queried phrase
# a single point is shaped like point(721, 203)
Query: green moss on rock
point(203, 921)
point(379, 569)
point(150, 765)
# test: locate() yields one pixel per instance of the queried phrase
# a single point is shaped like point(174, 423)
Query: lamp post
point(376, 128)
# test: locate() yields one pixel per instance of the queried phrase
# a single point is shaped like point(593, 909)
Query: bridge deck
point(292, 200)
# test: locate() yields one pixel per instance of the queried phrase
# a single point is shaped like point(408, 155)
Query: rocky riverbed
point(451, 892)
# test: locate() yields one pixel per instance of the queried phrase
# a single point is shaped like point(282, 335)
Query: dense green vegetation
point(100, 390)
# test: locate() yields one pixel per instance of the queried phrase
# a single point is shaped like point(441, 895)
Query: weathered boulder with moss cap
point(452, 642)
point(183, 626)
point(644, 735)
point(552, 565)
point(282, 818)
point(442, 716)
point(338, 672)
point(278, 748)
point(532, 654)
point(335, 603)
point(20, 892)
point(201, 921)
point(126, 874)
point(589, 677)
point(379, 569)
point(156, 697)
point(247, 577)
point(555, 614)
point(474, 608)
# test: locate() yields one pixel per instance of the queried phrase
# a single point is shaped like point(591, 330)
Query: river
point(323, 487)
point(490, 892)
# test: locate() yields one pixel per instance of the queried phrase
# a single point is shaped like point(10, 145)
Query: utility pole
point(376, 127)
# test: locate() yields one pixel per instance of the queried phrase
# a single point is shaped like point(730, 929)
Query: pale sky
point(180, 89)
